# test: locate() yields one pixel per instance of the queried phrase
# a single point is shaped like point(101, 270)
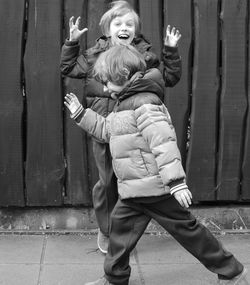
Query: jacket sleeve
point(96, 125)
point(154, 123)
point(171, 66)
point(72, 64)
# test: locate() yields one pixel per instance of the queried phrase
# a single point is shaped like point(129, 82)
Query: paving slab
point(66, 274)
point(177, 274)
point(75, 259)
point(72, 249)
point(20, 249)
point(77, 274)
point(237, 244)
point(19, 274)
point(154, 249)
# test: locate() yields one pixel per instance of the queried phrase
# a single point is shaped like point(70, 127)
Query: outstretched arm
point(87, 119)
point(74, 106)
point(171, 57)
point(72, 63)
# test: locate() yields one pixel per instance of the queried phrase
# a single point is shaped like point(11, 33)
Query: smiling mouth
point(123, 37)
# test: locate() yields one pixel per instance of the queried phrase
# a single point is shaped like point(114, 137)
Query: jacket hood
point(149, 82)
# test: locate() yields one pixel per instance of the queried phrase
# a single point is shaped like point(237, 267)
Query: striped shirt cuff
point(77, 112)
point(181, 186)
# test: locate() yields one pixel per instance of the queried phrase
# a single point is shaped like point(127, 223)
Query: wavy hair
point(118, 64)
point(118, 9)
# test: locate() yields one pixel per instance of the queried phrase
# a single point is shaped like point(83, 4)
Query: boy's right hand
point(73, 104)
point(184, 197)
point(74, 32)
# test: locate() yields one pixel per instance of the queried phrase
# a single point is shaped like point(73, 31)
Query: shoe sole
point(100, 248)
point(243, 275)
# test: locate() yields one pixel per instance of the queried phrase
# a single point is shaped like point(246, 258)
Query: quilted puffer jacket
point(142, 139)
point(76, 65)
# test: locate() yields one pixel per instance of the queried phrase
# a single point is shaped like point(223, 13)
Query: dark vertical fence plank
point(77, 189)
point(11, 141)
point(95, 10)
point(45, 163)
point(245, 183)
point(202, 151)
point(233, 97)
point(178, 13)
point(151, 19)
point(134, 4)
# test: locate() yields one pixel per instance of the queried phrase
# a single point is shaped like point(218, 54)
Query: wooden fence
point(46, 160)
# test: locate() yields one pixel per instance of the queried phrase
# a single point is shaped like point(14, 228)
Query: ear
point(107, 31)
point(126, 72)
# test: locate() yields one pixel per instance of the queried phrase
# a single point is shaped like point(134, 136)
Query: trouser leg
point(104, 193)
point(127, 225)
point(194, 237)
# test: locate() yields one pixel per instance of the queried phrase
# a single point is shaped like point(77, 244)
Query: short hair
point(118, 64)
point(118, 8)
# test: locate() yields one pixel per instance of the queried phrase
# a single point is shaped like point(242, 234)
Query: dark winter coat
point(80, 66)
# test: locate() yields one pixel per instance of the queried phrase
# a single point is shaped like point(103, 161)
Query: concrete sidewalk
point(73, 259)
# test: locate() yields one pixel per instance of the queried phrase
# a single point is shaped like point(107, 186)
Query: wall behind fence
point(46, 160)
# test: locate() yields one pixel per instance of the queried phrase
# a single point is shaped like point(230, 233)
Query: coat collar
point(103, 43)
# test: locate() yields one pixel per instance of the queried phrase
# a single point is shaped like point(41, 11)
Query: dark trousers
point(129, 220)
point(104, 193)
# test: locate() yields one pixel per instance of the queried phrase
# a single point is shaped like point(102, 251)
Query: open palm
point(74, 32)
point(172, 36)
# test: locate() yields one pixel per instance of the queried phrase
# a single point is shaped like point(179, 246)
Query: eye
point(130, 24)
point(117, 24)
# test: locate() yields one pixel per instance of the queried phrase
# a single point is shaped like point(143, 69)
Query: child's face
point(113, 88)
point(122, 29)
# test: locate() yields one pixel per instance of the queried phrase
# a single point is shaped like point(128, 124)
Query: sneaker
point(239, 279)
point(101, 281)
point(102, 242)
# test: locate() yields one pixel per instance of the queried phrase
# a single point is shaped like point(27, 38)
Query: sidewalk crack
point(142, 280)
point(42, 259)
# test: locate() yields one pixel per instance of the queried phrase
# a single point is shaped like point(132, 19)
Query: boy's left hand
point(183, 197)
point(172, 37)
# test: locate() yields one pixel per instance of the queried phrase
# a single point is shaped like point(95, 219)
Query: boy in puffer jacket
point(147, 163)
point(119, 25)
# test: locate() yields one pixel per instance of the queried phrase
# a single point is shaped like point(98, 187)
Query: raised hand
point(74, 32)
point(172, 37)
point(73, 104)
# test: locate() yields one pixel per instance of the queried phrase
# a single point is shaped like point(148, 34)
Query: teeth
point(123, 36)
